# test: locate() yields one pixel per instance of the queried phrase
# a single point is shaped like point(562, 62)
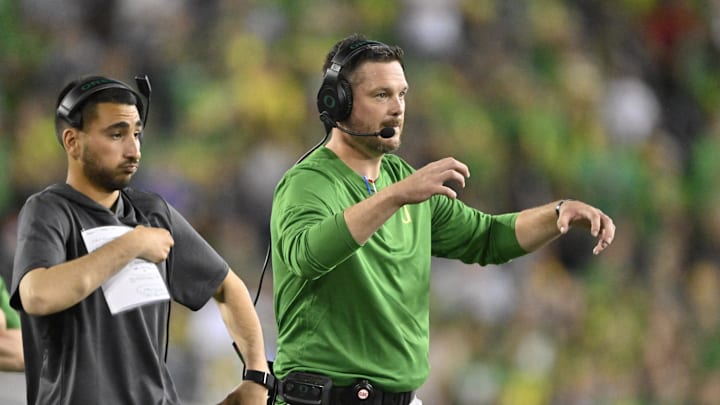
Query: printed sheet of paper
point(136, 284)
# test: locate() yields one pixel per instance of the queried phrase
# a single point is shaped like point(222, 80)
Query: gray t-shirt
point(85, 355)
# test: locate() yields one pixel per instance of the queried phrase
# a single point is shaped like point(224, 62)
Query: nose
point(132, 147)
point(397, 106)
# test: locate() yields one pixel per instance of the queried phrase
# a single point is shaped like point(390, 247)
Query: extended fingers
point(604, 229)
point(607, 233)
point(453, 175)
point(434, 176)
point(453, 170)
point(601, 225)
point(456, 166)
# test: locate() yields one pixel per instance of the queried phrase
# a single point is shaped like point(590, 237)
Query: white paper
point(136, 284)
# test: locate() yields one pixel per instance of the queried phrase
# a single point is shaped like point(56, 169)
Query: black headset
point(334, 100)
point(69, 107)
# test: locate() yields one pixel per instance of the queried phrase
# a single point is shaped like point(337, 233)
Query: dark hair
point(87, 110)
point(387, 53)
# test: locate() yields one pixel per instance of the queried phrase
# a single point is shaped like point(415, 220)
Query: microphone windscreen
point(387, 132)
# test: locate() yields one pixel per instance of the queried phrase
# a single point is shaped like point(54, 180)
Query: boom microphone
point(386, 132)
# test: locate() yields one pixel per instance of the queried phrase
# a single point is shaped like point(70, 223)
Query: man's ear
point(71, 141)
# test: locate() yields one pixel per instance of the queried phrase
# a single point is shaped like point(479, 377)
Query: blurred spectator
point(630, 111)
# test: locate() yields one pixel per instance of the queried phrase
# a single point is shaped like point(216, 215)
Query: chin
point(120, 184)
point(390, 145)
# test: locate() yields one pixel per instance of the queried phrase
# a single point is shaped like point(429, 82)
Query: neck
point(105, 198)
point(362, 161)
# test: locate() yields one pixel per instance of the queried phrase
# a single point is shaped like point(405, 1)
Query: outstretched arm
point(242, 322)
point(536, 227)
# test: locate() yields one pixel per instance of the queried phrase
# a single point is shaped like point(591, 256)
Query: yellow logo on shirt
point(406, 215)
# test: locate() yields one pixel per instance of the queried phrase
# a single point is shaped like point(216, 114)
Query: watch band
point(260, 377)
point(560, 203)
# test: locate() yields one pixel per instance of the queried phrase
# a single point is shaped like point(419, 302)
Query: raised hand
point(155, 243)
point(431, 179)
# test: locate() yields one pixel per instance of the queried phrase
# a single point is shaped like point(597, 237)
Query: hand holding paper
point(138, 283)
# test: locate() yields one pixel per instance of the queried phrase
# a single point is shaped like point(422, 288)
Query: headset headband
point(345, 55)
point(334, 99)
point(82, 91)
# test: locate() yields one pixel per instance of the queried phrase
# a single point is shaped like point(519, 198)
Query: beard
point(377, 144)
point(104, 178)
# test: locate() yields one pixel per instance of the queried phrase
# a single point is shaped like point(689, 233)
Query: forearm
point(366, 217)
point(537, 226)
point(11, 350)
point(45, 291)
point(243, 324)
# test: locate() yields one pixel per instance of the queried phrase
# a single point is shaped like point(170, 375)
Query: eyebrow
point(122, 125)
point(389, 89)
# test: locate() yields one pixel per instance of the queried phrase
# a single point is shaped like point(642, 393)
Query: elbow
point(300, 263)
point(304, 266)
point(34, 303)
point(301, 267)
point(36, 297)
point(309, 271)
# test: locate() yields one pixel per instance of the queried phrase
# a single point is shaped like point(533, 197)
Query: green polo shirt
point(354, 311)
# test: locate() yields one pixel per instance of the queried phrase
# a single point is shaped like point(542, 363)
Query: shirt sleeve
point(195, 269)
point(308, 226)
point(40, 241)
point(464, 233)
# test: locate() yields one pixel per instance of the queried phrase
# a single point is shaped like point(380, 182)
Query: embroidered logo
point(406, 219)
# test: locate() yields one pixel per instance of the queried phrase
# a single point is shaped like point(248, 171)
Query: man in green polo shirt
point(353, 231)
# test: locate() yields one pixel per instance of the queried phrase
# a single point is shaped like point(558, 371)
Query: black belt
point(364, 393)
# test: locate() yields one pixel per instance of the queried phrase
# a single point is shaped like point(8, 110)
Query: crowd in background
point(614, 102)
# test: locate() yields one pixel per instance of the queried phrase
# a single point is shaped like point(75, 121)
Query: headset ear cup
point(345, 100)
point(75, 119)
point(334, 99)
point(327, 101)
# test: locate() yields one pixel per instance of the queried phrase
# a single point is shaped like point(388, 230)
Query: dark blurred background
point(614, 102)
